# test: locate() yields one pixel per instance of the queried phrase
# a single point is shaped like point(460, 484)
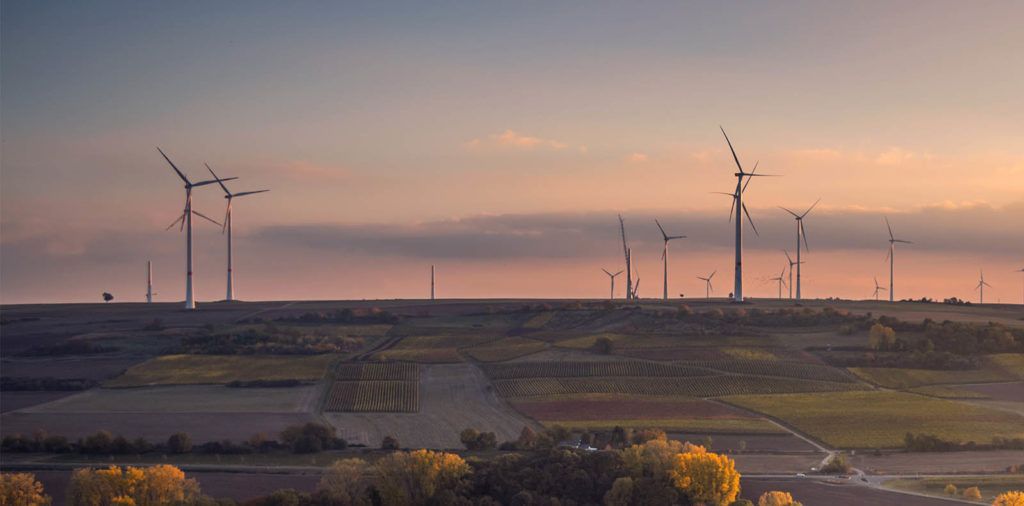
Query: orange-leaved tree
point(706, 477)
point(151, 486)
point(777, 498)
point(411, 478)
point(22, 489)
point(1014, 498)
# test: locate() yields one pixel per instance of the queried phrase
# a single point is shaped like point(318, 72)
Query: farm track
point(384, 345)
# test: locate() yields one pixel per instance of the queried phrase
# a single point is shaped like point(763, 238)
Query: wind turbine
point(664, 252)
point(891, 256)
point(781, 281)
point(981, 286)
point(431, 281)
point(186, 220)
point(739, 206)
point(227, 226)
point(800, 232)
point(612, 276)
point(707, 285)
point(625, 250)
point(791, 264)
point(636, 273)
point(149, 281)
point(1022, 286)
point(878, 287)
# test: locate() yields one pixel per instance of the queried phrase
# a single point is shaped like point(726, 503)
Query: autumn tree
point(346, 482)
point(180, 443)
point(777, 498)
point(151, 486)
point(881, 337)
point(950, 489)
point(972, 494)
point(22, 489)
point(418, 477)
point(706, 477)
point(1014, 498)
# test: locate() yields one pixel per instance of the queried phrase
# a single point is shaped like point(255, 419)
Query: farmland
point(211, 369)
point(702, 386)
point(874, 419)
point(989, 486)
point(374, 387)
point(505, 349)
point(909, 378)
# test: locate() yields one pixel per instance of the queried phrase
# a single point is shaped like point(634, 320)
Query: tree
point(950, 489)
point(469, 438)
point(180, 443)
point(621, 493)
point(526, 438)
point(881, 337)
point(151, 486)
point(1014, 498)
point(107, 297)
point(346, 483)
point(706, 477)
point(604, 345)
point(390, 443)
point(414, 478)
point(777, 498)
point(972, 494)
point(22, 489)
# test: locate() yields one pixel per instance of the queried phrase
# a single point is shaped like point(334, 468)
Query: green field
point(214, 369)
point(875, 419)
point(989, 486)
point(908, 378)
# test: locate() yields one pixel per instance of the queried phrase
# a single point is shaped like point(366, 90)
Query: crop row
point(785, 369)
point(374, 396)
point(397, 371)
point(707, 386)
point(588, 369)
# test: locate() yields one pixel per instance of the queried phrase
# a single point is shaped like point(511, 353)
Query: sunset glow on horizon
point(499, 142)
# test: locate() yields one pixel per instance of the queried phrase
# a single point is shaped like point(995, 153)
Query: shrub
point(180, 443)
point(776, 498)
point(604, 345)
point(972, 494)
point(838, 465)
point(390, 443)
point(950, 489)
point(311, 438)
point(100, 442)
point(1014, 498)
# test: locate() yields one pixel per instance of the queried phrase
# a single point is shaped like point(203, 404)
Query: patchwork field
point(640, 341)
point(875, 419)
point(989, 461)
point(374, 387)
point(589, 369)
point(779, 368)
point(212, 369)
point(909, 378)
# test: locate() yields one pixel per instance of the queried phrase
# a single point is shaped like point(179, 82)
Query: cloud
point(638, 158)
point(511, 139)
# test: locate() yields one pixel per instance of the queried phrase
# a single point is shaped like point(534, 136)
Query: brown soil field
point(1010, 392)
point(185, 399)
point(938, 463)
point(565, 355)
point(452, 398)
point(13, 401)
point(783, 442)
point(626, 409)
point(775, 464)
point(814, 492)
point(674, 354)
point(93, 367)
point(203, 427)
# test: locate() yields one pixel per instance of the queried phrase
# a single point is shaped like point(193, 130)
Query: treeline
point(931, 443)
point(346, 316)
point(67, 347)
point(11, 384)
point(270, 340)
point(308, 438)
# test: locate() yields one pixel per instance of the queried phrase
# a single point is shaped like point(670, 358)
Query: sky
point(500, 140)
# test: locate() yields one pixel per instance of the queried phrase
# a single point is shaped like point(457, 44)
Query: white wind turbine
point(800, 232)
point(738, 206)
point(186, 221)
point(981, 286)
point(1022, 285)
point(891, 256)
point(227, 226)
point(612, 276)
point(878, 287)
point(781, 281)
point(791, 264)
point(664, 252)
point(707, 285)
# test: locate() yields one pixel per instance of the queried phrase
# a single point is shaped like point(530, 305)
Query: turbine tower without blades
point(612, 276)
point(981, 286)
point(1021, 286)
point(227, 226)
point(664, 253)
point(877, 288)
point(149, 281)
point(891, 256)
point(431, 281)
point(739, 208)
point(186, 221)
point(707, 285)
point(800, 233)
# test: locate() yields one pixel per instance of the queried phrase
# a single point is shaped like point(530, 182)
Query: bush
point(180, 443)
point(390, 443)
point(311, 438)
point(604, 345)
point(838, 465)
point(972, 494)
point(776, 498)
point(950, 489)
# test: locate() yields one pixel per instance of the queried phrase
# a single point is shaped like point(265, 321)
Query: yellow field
point(947, 392)
point(876, 419)
point(909, 378)
point(539, 321)
point(505, 349)
point(989, 486)
point(211, 369)
point(1012, 363)
point(750, 353)
point(425, 355)
point(697, 425)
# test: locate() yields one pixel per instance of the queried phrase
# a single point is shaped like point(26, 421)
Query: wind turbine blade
point(804, 234)
point(751, 220)
point(788, 258)
point(812, 207)
point(204, 183)
point(225, 188)
point(732, 208)
point(712, 275)
point(901, 240)
point(175, 167)
point(617, 273)
point(227, 214)
point(734, 157)
point(606, 272)
point(248, 193)
point(749, 177)
point(887, 253)
point(663, 234)
point(175, 222)
point(211, 220)
point(788, 211)
point(889, 227)
point(676, 237)
point(662, 254)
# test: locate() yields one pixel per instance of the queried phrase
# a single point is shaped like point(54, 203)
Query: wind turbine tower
point(707, 285)
point(149, 281)
point(431, 281)
point(625, 250)
point(892, 256)
point(227, 226)
point(664, 253)
point(186, 221)
point(1022, 286)
point(791, 264)
point(800, 233)
point(981, 286)
point(781, 281)
point(612, 276)
point(738, 207)
point(878, 287)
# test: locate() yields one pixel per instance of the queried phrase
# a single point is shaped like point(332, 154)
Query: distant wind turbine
point(878, 287)
point(791, 264)
point(636, 273)
point(186, 220)
point(664, 253)
point(1022, 285)
point(707, 285)
point(431, 281)
point(800, 233)
point(781, 281)
point(739, 207)
point(612, 276)
point(891, 256)
point(625, 250)
point(981, 286)
point(227, 226)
